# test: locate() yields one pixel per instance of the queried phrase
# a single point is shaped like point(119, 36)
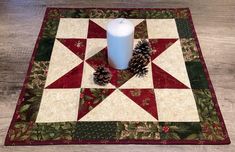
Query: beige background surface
point(20, 22)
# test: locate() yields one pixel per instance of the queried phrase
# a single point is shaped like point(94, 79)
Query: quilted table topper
point(60, 104)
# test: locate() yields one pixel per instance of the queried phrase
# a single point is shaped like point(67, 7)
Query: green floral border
point(209, 121)
point(57, 13)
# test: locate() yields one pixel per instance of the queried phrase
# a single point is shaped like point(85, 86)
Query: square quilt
point(174, 103)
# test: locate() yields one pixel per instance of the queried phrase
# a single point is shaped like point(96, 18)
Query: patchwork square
point(44, 49)
point(96, 131)
point(138, 130)
point(189, 49)
point(180, 131)
point(184, 28)
point(60, 104)
point(51, 27)
point(196, 75)
point(53, 131)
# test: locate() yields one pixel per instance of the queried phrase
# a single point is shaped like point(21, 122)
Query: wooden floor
point(20, 21)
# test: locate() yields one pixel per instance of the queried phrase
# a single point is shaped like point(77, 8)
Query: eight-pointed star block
point(59, 105)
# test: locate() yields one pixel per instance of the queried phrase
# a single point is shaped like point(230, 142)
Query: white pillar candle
point(120, 37)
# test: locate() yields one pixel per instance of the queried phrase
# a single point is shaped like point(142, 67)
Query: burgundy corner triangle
point(72, 79)
point(119, 77)
point(145, 98)
point(160, 45)
point(95, 31)
point(141, 30)
point(90, 98)
point(162, 79)
point(77, 46)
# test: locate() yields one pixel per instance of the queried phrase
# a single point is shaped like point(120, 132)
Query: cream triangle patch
point(102, 22)
point(136, 21)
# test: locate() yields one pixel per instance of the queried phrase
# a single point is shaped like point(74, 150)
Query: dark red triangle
point(90, 98)
point(141, 30)
point(162, 79)
point(95, 31)
point(145, 98)
point(160, 45)
point(77, 46)
point(72, 79)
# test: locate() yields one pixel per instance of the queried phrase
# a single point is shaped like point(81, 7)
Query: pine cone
point(143, 47)
point(142, 72)
point(102, 76)
point(137, 65)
